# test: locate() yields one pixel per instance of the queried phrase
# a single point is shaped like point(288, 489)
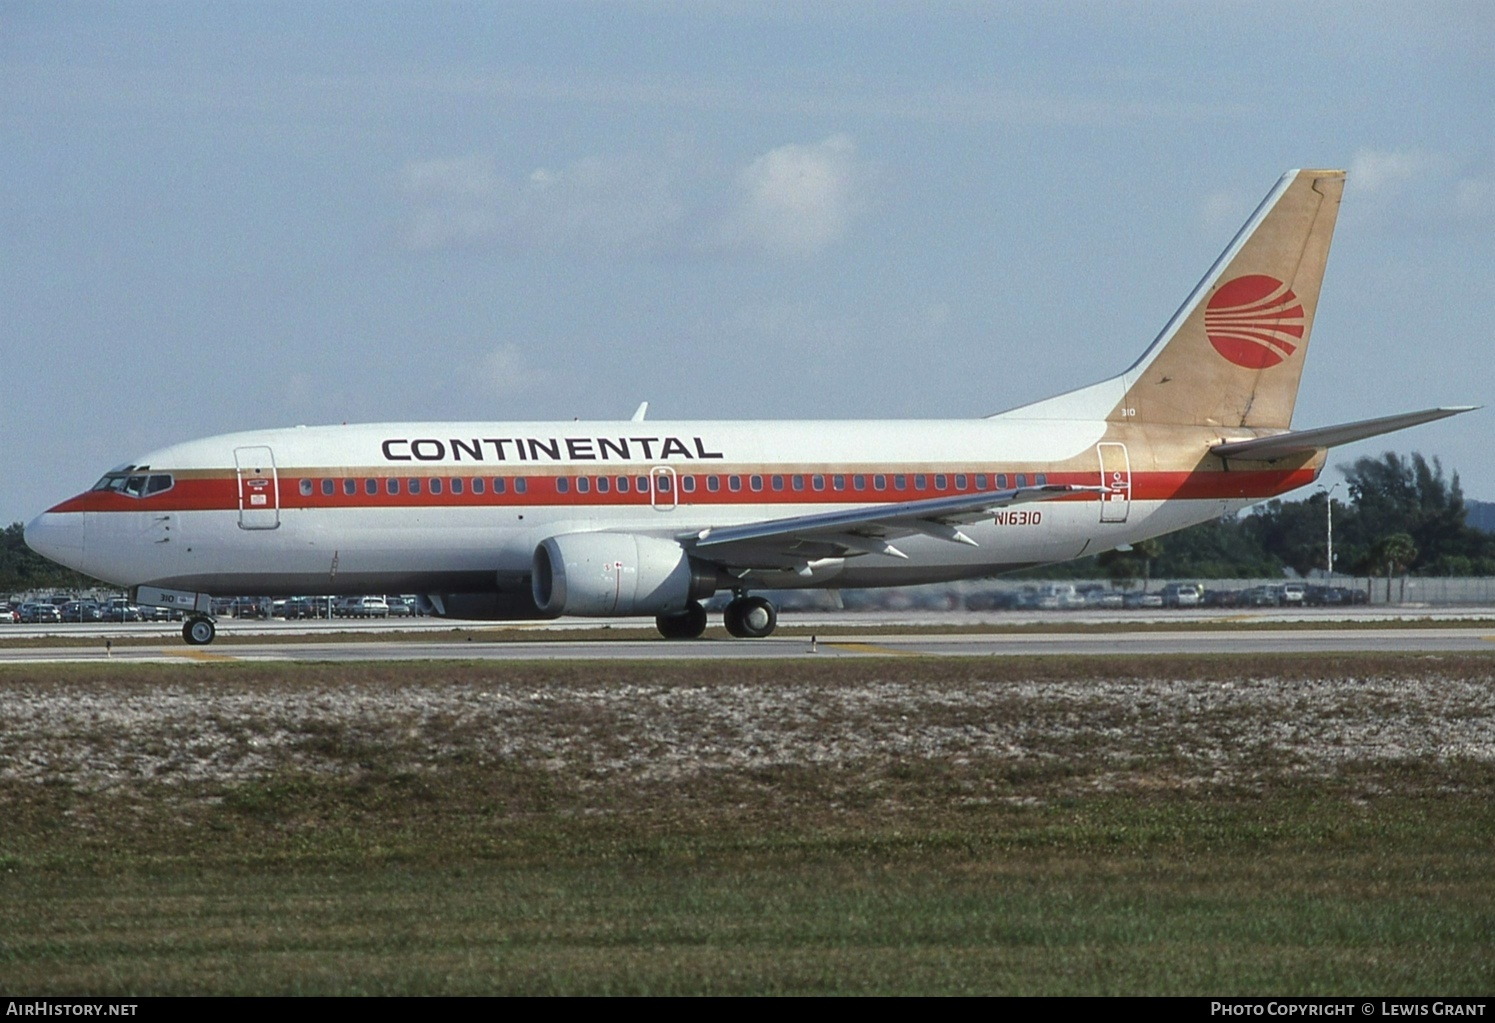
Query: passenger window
point(327, 486)
point(960, 481)
point(1042, 479)
point(392, 486)
point(755, 482)
point(777, 482)
point(859, 483)
point(981, 481)
point(350, 487)
point(1001, 481)
point(306, 488)
point(622, 484)
point(498, 485)
point(662, 483)
point(688, 484)
point(643, 484)
point(583, 486)
point(435, 484)
point(1022, 479)
point(713, 484)
point(879, 483)
point(478, 485)
point(797, 482)
point(603, 484)
point(734, 483)
point(456, 484)
point(817, 482)
point(520, 485)
point(920, 483)
point(562, 485)
point(900, 482)
point(371, 486)
point(838, 482)
point(939, 481)
point(413, 485)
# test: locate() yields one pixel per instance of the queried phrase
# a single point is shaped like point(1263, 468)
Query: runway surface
point(835, 636)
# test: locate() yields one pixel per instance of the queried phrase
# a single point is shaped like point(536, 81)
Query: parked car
point(82, 611)
point(39, 613)
point(362, 607)
point(119, 609)
point(1182, 595)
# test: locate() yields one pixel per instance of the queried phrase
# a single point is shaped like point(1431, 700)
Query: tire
point(750, 618)
point(199, 631)
point(688, 624)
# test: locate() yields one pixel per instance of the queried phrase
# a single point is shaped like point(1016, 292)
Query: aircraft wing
point(791, 542)
point(1299, 442)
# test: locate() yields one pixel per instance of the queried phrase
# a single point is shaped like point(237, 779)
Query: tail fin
point(1233, 353)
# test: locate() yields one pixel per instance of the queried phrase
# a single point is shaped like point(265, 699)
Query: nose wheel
point(750, 617)
point(199, 631)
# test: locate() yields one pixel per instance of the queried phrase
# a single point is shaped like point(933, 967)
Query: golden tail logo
point(1233, 354)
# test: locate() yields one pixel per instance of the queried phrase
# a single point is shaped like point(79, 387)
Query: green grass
point(479, 829)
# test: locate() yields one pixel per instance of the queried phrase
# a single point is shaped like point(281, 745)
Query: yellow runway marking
point(871, 648)
point(197, 655)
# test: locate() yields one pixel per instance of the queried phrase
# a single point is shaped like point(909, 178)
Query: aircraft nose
point(56, 535)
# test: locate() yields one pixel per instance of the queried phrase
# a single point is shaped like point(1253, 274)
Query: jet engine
point(601, 574)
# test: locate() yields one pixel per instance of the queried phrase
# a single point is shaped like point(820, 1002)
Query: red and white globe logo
point(1254, 321)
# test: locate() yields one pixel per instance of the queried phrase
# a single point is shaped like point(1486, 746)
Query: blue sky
point(227, 216)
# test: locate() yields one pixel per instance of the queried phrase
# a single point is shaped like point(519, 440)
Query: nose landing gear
point(199, 630)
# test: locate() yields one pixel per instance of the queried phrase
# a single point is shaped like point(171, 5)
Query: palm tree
point(1396, 552)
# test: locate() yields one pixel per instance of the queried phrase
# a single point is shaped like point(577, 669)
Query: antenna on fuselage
point(640, 412)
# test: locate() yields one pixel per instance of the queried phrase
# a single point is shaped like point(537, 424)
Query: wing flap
point(861, 530)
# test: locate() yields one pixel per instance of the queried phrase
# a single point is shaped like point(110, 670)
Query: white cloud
point(1225, 209)
point(1386, 172)
point(506, 371)
point(797, 199)
point(453, 202)
point(597, 205)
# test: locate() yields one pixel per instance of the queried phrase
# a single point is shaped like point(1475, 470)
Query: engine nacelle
point(601, 574)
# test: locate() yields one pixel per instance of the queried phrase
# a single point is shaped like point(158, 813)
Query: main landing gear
point(750, 617)
point(688, 624)
point(745, 617)
point(199, 630)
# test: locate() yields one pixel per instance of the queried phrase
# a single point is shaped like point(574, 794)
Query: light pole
point(1329, 513)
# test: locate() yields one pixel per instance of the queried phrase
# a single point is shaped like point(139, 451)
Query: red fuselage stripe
point(222, 493)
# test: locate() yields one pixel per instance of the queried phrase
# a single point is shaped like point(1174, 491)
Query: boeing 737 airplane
point(525, 520)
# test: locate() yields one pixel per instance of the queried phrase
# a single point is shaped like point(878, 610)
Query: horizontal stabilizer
point(1299, 442)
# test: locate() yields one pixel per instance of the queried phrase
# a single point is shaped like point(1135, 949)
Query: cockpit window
point(134, 485)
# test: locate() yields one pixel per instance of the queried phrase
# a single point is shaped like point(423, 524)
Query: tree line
point(1400, 515)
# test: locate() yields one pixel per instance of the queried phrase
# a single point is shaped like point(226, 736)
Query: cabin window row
point(395, 485)
point(662, 483)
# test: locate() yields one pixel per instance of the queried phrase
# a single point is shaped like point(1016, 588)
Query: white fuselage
point(461, 507)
